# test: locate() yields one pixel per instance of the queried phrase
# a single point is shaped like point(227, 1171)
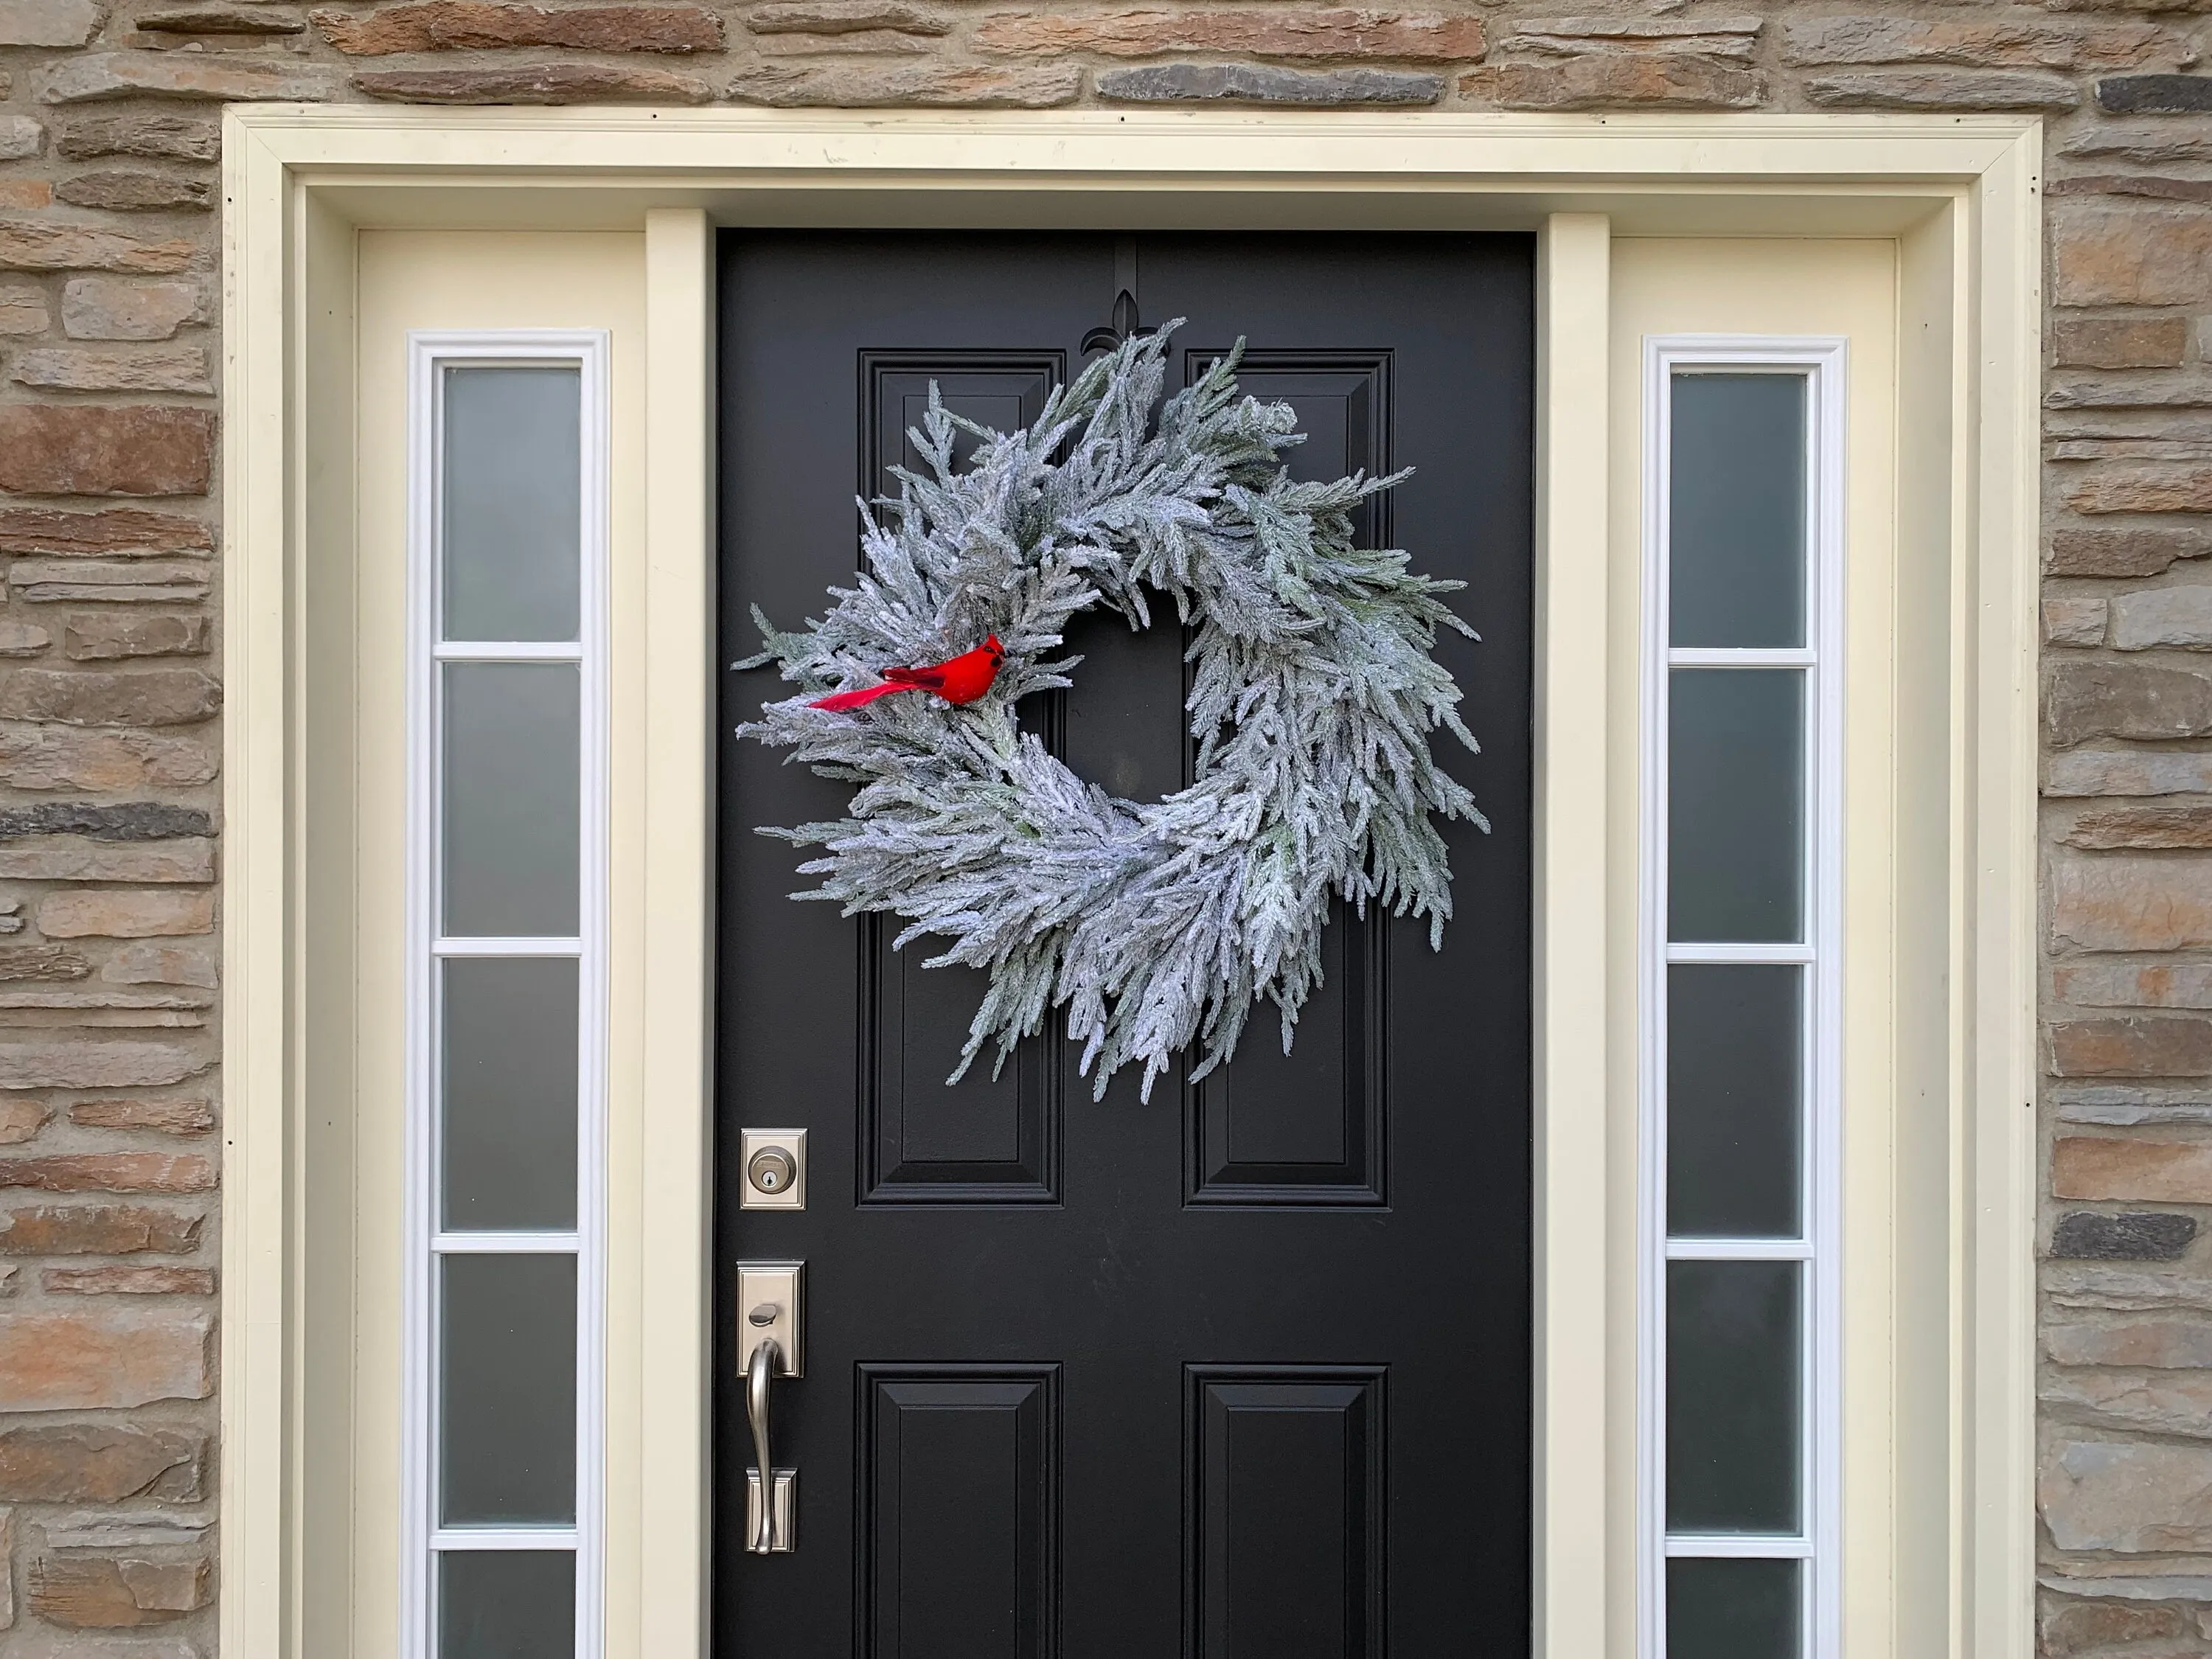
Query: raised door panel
point(993, 1138)
point(1284, 1519)
point(959, 1507)
point(1310, 1127)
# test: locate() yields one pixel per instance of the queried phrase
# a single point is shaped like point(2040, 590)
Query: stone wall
point(109, 1149)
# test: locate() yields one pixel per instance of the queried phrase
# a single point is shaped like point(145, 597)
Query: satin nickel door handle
point(770, 1521)
point(769, 1327)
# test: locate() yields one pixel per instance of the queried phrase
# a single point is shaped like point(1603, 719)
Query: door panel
point(1109, 1378)
point(1283, 1512)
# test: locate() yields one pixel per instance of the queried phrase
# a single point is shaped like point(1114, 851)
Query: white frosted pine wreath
point(1157, 924)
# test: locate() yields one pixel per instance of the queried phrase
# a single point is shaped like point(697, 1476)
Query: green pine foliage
point(1159, 927)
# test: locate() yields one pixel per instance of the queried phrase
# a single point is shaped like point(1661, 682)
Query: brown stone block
point(1575, 37)
point(535, 83)
point(1277, 32)
point(128, 1281)
point(111, 309)
point(143, 915)
point(83, 1064)
point(2163, 618)
point(94, 449)
point(47, 22)
point(490, 25)
point(191, 1115)
point(37, 245)
point(2150, 186)
point(220, 20)
point(180, 137)
point(1267, 84)
point(211, 77)
point(98, 1463)
point(1976, 44)
point(129, 192)
point(2144, 489)
point(1661, 81)
point(106, 637)
point(2069, 1625)
point(2145, 1171)
point(137, 581)
point(62, 757)
point(2119, 342)
point(23, 311)
point(868, 86)
point(21, 1120)
point(2085, 700)
point(103, 1360)
point(2124, 550)
point(2136, 1045)
point(41, 961)
point(18, 638)
point(2124, 1496)
point(59, 532)
point(2111, 257)
point(115, 1593)
point(861, 43)
point(2131, 904)
point(2134, 985)
point(98, 1230)
point(1947, 89)
point(160, 964)
point(2144, 827)
point(2154, 1343)
point(66, 858)
point(111, 1172)
point(162, 697)
point(844, 17)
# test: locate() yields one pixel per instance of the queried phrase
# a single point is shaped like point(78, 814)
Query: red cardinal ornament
point(965, 678)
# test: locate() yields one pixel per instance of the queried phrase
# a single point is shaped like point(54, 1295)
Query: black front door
point(1242, 1373)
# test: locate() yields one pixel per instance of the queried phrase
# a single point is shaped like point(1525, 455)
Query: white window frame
point(430, 353)
point(1822, 362)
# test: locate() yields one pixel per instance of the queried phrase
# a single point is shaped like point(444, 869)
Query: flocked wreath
point(1157, 924)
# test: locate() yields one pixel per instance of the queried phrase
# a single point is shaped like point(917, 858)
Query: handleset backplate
point(783, 1537)
point(771, 1303)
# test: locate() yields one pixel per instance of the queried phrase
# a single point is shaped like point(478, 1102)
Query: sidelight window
point(505, 986)
point(1740, 999)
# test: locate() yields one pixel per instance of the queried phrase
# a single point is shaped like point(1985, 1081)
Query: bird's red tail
point(842, 700)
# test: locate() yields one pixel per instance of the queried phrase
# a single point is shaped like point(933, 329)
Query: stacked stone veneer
point(110, 1149)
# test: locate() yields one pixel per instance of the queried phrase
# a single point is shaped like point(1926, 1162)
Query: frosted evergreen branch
point(1159, 927)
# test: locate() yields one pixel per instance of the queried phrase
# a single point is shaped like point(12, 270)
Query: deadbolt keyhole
point(770, 1170)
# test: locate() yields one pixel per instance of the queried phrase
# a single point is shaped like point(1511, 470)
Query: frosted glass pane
point(1734, 1047)
point(512, 776)
point(507, 1409)
point(508, 1155)
point(512, 492)
point(1736, 524)
point(507, 1604)
point(1733, 1609)
point(1735, 805)
point(1732, 1397)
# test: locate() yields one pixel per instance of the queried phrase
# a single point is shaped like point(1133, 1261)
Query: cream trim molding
point(1958, 196)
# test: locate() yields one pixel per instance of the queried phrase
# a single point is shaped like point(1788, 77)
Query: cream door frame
point(1960, 197)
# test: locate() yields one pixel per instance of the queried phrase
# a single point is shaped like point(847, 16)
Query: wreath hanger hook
point(1124, 328)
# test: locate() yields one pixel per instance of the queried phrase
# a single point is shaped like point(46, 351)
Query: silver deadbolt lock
point(776, 1169)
